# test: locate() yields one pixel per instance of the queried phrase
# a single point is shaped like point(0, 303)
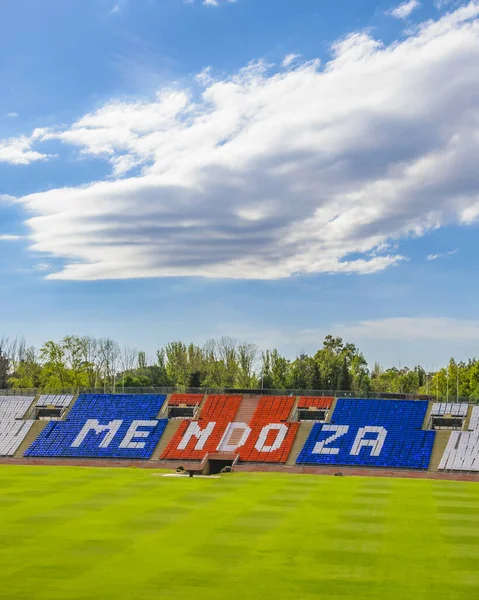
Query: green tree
point(266, 379)
point(55, 374)
point(161, 378)
point(28, 373)
point(4, 370)
point(301, 373)
point(177, 367)
point(74, 352)
point(246, 377)
point(344, 377)
point(280, 371)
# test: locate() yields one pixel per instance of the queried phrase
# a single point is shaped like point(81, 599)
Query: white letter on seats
point(225, 446)
point(194, 430)
point(339, 430)
point(282, 431)
point(133, 433)
point(376, 445)
point(94, 425)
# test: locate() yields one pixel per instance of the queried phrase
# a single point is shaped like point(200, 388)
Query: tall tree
point(75, 358)
point(4, 365)
point(301, 373)
point(177, 366)
point(55, 373)
point(128, 360)
point(93, 361)
point(246, 357)
point(29, 371)
point(227, 354)
point(109, 353)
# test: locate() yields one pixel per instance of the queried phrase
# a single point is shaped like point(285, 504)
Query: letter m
point(194, 431)
point(94, 425)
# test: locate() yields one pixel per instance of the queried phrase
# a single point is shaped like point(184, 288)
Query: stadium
point(238, 310)
point(237, 498)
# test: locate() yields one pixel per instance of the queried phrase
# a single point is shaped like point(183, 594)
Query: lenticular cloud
point(313, 168)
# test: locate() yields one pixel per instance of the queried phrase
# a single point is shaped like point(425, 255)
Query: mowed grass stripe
point(78, 534)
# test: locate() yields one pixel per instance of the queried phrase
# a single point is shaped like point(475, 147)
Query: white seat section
point(12, 429)
point(14, 407)
point(12, 434)
point(462, 450)
point(456, 409)
point(459, 409)
point(474, 424)
point(59, 401)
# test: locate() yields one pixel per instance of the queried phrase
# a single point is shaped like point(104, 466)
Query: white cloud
point(413, 329)
point(404, 10)
point(19, 150)
point(42, 267)
point(441, 255)
point(440, 4)
point(214, 2)
point(289, 59)
point(270, 174)
point(7, 237)
point(12, 115)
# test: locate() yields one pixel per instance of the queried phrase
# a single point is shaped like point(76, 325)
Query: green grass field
point(75, 533)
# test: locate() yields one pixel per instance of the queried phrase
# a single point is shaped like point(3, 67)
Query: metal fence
point(256, 392)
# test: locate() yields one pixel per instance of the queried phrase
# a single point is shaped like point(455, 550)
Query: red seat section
point(195, 439)
point(185, 399)
point(220, 407)
point(322, 402)
point(273, 409)
point(269, 442)
point(271, 437)
point(268, 437)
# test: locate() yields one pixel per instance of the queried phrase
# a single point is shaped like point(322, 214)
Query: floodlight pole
point(447, 384)
point(457, 382)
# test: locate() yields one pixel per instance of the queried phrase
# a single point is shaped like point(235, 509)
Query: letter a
point(376, 445)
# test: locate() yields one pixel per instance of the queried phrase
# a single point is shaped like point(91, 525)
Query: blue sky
point(274, 170)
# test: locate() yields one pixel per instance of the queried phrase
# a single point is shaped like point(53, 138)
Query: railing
point(243, 391)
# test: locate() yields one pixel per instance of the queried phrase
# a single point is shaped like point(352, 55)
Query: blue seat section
point(104, 426)
point(376, 433)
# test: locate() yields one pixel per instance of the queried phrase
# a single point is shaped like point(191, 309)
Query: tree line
point(86, 362)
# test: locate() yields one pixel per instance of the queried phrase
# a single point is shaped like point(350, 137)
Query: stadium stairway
point(440, 443)
point(69, 407)
point(428, 415)
point(35, 430)
point(467, 420)
point(247, 408)
point(330, 414)
point(165, 439)
point(30, 409)
point(299, 442)
point(245, 413)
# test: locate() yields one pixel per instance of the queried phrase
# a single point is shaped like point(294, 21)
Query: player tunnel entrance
point(213, 464)
point(216, 462)
point(217, 465)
